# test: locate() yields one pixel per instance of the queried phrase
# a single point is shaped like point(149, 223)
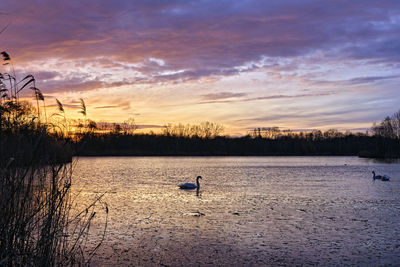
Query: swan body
point(190, 185)
point(385, 178)
point(379, 177)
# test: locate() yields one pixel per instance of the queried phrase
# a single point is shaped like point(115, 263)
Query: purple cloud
point(198, 36)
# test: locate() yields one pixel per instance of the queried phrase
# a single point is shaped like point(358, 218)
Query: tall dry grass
point(38, 225)
point(39, 222)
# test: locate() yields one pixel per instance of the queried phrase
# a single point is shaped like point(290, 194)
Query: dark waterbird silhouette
point(191, 185)
point(375, 177)
point(380, 177)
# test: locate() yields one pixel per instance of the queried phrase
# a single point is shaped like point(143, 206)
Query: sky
point(244, 64)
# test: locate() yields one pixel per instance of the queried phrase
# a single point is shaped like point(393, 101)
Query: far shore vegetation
point(206, 140)
point(92, 138)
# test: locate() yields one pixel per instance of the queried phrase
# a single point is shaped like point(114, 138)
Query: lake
point(250, 211)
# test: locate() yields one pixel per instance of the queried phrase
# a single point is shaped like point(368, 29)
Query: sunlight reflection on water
point(250, 211)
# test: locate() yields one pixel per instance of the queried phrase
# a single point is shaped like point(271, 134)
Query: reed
point(39, 222)
point(38, 225)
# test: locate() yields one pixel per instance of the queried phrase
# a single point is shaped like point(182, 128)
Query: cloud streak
point(223, 95)
point(270, 97)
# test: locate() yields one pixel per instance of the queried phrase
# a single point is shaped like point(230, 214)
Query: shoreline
point(203, 154)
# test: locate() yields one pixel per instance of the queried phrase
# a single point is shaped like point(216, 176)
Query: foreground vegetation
point(39, 225)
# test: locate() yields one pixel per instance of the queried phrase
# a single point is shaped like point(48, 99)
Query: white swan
point(190, 185)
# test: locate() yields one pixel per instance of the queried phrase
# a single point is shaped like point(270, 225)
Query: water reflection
point(387, 161)
point(249, 211)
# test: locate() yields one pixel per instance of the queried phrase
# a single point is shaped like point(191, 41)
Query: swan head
point(199, 177)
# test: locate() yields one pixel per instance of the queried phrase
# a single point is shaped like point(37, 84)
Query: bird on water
point(191, 185)
point(376, 176)
point(380, 177)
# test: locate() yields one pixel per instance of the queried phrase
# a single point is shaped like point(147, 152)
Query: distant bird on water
point(190, 185)
point(380, 177)
point(376, 176)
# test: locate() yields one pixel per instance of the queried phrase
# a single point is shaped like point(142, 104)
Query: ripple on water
point(250, 211)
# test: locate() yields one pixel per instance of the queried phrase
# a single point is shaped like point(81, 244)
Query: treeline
point(308, 144)
point(179, 140)
point(204, 130)
point(389, 127)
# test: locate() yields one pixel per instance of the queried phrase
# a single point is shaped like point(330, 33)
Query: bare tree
point(396, 124)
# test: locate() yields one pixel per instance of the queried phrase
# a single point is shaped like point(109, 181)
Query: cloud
point(316, 118)
point(370, 79)
point(359, 80)
point(45, 75)
point(200, 37)
point(106, 107)
point(124, 105)
point(264, 98)
point(76, 84)
point(222, 95)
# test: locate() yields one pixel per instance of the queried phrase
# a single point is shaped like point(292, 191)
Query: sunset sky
point(244, 64)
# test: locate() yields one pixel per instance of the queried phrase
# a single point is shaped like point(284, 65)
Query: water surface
point(250, 210)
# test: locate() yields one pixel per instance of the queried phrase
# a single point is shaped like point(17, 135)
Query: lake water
point(250, 211)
